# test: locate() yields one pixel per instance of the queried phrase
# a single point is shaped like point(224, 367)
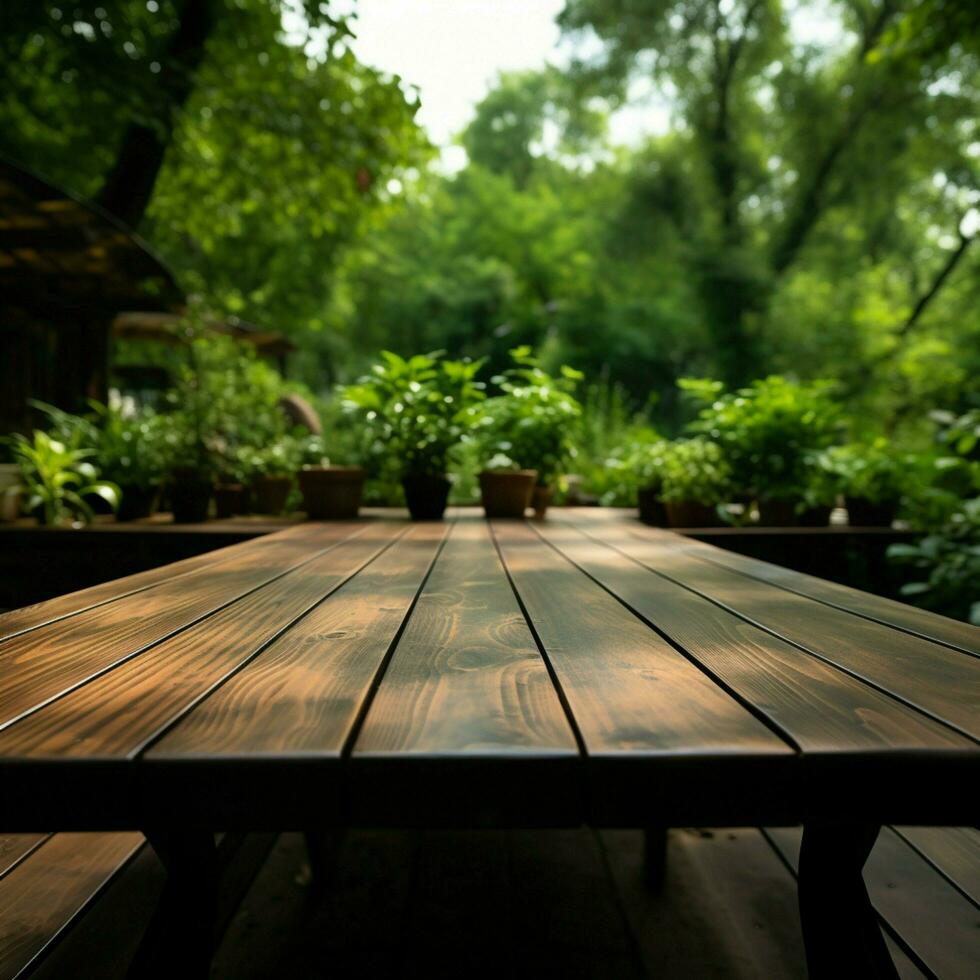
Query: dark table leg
point(179, 940)
point(840, 928)
point(654, 857)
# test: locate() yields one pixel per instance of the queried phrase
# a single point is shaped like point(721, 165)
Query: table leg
point(179, 940)
point(654, 857)
point(840, 927)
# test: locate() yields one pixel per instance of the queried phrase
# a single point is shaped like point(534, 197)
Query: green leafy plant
point(947, 563)
point(874, 471)
point(768, 432)
point(281, 457)
point(531, 424)
point(418, 407)
point(130, 445)
point(695, 470)
point(57, 478)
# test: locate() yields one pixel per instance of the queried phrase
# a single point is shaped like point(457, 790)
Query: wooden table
point(469, 674)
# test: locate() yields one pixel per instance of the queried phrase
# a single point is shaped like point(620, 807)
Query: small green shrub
point(695, 470)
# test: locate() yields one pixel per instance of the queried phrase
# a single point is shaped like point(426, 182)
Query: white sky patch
point(453, 50)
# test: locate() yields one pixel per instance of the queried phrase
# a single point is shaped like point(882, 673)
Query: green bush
point(875, 471)
point(768, 432)
point(418, 407)
point(531, 424)
point(695, 470)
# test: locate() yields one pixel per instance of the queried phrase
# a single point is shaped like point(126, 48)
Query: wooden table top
point(474, 673)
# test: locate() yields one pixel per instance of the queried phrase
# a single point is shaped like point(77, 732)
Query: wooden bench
point(583, 670)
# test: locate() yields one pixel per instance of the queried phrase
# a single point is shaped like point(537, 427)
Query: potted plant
point(696, 481)
point(505, 489)
point(873, 478)
point(768, 433)
point(419, 408)
point(329, 491)
point(646, 461)
point(275, 468)
point(130, 453)
point(531, 422)
point(57, 481)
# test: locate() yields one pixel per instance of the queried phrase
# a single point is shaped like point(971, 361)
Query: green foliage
point(129, 445)
point(531, 424)
point(769, 432)
point(695, 470)
point(57, 477)
point(947, 565)
point(418, 407)
point(874, 471)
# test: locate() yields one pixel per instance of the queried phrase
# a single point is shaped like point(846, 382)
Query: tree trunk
point(129, 184)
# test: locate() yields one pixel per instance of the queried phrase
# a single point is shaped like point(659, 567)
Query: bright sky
point(452, 50)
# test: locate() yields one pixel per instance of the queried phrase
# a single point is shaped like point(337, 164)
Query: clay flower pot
point(541, 499)
point(651, 507)
point(190, 496)
point(270, 493)
point(507, 493)
point(691, 513)
point(426, 496)
point(229, 499)
point(136, 502)
point(778, 513)
point(331, 492)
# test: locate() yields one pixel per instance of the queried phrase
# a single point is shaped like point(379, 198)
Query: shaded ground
point(567, 903)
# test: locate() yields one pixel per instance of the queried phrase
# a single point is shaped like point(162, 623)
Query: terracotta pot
point(541, 499)
point(190, 496)
point(866, 513)
point(691, 513)
point(229, 499)
point(816, 516)
point(507, 493)
point(652, 509)
point(136, 503)
point(331, 492)
point(270, 493)
point(778, 513)
point(426, 496)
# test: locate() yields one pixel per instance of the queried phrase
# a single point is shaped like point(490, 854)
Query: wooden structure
point(588, 669)
point(66, 269)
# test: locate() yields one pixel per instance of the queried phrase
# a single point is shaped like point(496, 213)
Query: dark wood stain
point(40, 896)
point(934, 678)
point(43, 663)
point(466, 677)
point(823, 709)
point(302, 694)
point(114, 715)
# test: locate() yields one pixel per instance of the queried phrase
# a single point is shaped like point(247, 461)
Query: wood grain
point(15, 847)
point(921, 622)
point(822, 709)
point(634, 698)
point(954, 851)
point(933, 678)
point(43, 663)
point(931, 916)
point(303, 693)
point(30, 617)
point(41, 896)
point(466, 727)
point(116, 714)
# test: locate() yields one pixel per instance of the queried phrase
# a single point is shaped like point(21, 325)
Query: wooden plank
point(953, 851)
point(291, 710)
point(45, 663)
point(933, 678)
point(40, 614)
point(665, 743)
point(14, 848)
point(920, 622)
point(840, 724)
point(114, 716)
point(42, 896)
point(466, 727)
point(933, 919)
